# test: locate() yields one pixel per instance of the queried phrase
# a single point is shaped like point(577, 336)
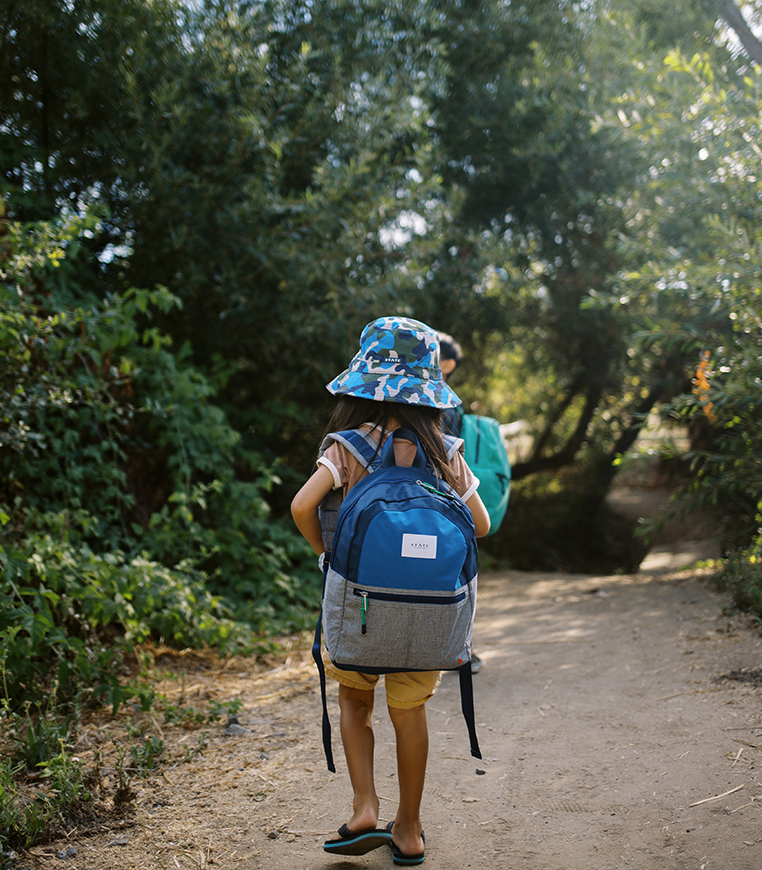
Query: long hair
point(351, 412)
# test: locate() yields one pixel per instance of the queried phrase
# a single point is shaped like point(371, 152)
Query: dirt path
point(611, 740)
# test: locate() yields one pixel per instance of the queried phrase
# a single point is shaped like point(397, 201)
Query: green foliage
point(261, 156)
point(66, 784)
point(741, 577)
point(62, 72)
point(557, 522)
point(694, 229)
point(289, 176)
point(66, 608)
point(145, 756)
point(543, 353)
point(21, 824)
point(38, 743)
point(120, 493)
point(38, 740)
point(190, 716)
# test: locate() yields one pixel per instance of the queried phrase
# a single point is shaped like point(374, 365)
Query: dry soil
point(619, 718)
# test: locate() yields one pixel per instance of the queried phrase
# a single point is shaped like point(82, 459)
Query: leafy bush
point(64, 607)
point(741, 576)
point(126, 500)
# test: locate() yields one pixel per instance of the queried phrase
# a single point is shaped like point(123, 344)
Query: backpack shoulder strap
point(359, 443)
point(367, 452)
point(454, 445)
point(467, 706)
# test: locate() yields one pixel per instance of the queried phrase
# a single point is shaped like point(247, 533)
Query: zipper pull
point(364, 611)
point(435, 491)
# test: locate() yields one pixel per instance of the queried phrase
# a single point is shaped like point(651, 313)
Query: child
point(450, 357)
point(393, 381)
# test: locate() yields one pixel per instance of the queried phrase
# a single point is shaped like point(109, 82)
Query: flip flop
point(359, 843)
point(400, 857)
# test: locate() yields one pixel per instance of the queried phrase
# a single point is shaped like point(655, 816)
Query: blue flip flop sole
point(405, 860)
point(399, 857)
point(357, 844)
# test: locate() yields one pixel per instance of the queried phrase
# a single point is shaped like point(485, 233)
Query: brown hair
point(351, 412)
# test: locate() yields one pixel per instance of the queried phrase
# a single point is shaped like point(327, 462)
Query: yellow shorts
point(403, 691)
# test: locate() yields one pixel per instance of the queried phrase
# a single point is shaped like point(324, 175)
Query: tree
point(288, 176)
point(541, 178)
point(734, 18)
point(267, 164)
point(257, 157)
point(693, 227)
point(551, 223)
point(62, 74)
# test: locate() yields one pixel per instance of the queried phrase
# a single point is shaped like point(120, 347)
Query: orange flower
point(701, 387)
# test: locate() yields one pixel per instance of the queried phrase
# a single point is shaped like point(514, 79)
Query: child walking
point(393, 381)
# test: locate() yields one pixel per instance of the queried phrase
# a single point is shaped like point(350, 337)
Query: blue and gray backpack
point(400, 572)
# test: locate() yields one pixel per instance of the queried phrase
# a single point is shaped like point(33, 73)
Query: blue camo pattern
point(398, 361)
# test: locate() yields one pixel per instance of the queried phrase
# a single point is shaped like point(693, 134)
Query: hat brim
point(403, 389)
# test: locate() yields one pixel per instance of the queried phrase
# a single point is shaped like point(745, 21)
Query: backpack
point(400, 579)
point(486, 456)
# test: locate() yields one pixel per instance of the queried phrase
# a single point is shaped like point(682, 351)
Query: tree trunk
point(566, 455)
point(732, 16)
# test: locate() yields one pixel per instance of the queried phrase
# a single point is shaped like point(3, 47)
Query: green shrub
point(741, 577)
point(66, 788)
point(128, 509)
point(38, 740)
point(62, 606)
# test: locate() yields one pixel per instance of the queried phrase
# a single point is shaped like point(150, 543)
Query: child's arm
point(304, 507)
point(480, 515)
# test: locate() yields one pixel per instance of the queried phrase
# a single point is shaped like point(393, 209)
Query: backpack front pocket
point(387, 630)
point(368, 595)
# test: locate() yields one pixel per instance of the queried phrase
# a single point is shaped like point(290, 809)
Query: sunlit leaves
point(694, 227)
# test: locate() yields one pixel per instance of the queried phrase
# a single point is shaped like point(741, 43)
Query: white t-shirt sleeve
point(334, 471)
point(471, 489)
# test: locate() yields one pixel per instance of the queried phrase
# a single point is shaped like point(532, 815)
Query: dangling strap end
point(467, 706)
point(317, 656)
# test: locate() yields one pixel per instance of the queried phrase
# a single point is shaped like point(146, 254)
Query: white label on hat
point(419, 546)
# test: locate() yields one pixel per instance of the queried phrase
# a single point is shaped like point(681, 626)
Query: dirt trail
point(612, 739)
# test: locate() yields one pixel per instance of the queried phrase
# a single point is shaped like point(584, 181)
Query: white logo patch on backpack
point(419, 546)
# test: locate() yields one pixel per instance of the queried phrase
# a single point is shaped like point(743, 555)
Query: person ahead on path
point(450, 357)
point(393, 381)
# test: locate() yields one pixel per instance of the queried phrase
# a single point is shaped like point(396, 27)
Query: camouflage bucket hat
point(398, 361)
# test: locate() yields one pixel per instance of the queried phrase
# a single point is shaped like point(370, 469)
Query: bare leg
point(412, 750)
point(356, 706)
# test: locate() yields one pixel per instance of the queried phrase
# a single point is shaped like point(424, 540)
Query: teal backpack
point(486, 457)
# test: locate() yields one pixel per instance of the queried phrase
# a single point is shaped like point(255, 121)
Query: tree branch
point(563, 405)
point(628, 437)
point(733, 17)
point(564, 456)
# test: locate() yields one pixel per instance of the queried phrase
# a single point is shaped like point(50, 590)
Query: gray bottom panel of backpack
point(390, 632)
